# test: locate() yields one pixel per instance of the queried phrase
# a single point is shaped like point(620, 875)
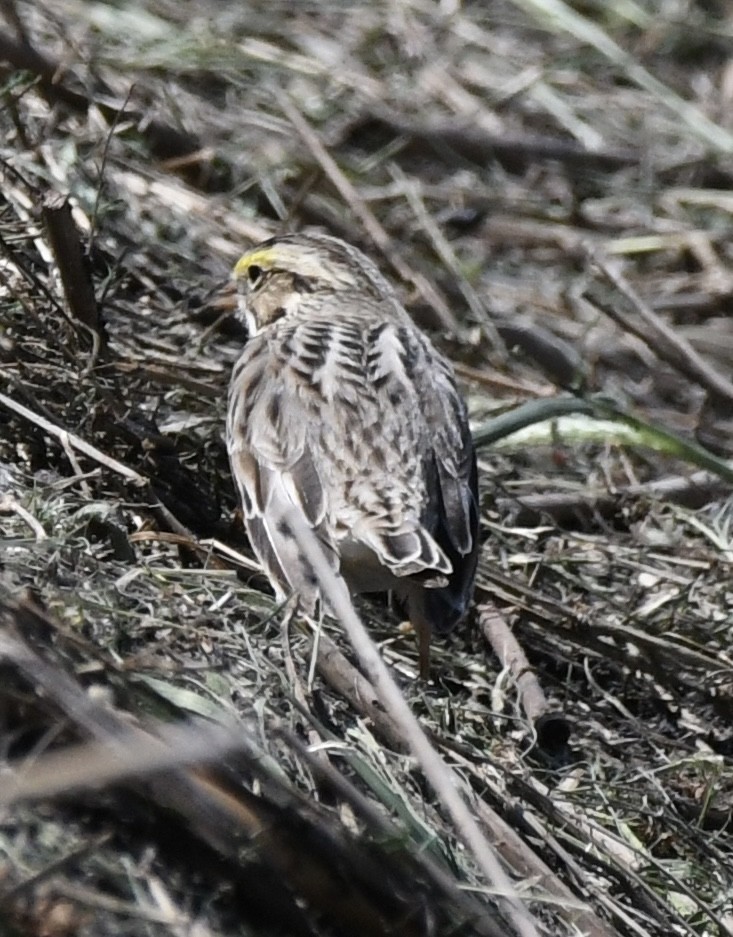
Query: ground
point(549, 188)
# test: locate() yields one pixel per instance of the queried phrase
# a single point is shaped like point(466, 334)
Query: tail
point(447, 606)
point(411, 553)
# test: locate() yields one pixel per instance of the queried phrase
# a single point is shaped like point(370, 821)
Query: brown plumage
point(340, 406)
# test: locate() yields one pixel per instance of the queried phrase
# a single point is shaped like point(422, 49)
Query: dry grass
point(558, 212)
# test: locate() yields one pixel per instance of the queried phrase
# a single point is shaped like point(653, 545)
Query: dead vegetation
point(551, 187)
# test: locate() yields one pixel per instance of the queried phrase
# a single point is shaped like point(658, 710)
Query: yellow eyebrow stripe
point(257, 258)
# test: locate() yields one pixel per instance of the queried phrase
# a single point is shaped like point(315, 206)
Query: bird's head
point(278, 277)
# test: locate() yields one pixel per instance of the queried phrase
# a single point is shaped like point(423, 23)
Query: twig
point(114, 465)
point(136, 911)
point(353, 686)
point(445, 253)
point(667, 344)
point(347, 681)
point(552, 728)
point(387, 831)
point(8, 503)
point(105, 153)
point(73, 265)
point(357, 204)
point(693, 492)
point(559, 360)
point(72, 439)
point(74, 463)
point(296, 684)
point(439, 776)
point(475, 143)
point(28, 885)
point(492, 379)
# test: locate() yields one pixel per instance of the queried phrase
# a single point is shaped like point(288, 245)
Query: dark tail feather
point(447, 606)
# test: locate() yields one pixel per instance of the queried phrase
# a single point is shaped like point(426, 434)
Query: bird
point(342, 408)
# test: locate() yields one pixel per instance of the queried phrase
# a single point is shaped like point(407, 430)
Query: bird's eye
point(255, 274)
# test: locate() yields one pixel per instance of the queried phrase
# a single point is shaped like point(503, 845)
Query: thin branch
point(67, 438)
point(667, 344)
point(551, 728)
point(443, 250)
point(475, 143)
point(693, 492)
point(359, 207)
point(81, 445)
point(72, 262)
point(438, 774)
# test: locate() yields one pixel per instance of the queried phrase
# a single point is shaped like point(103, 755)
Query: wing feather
point(455, 457)
point(274, 470)
point(432, 380)
point(451, 514)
